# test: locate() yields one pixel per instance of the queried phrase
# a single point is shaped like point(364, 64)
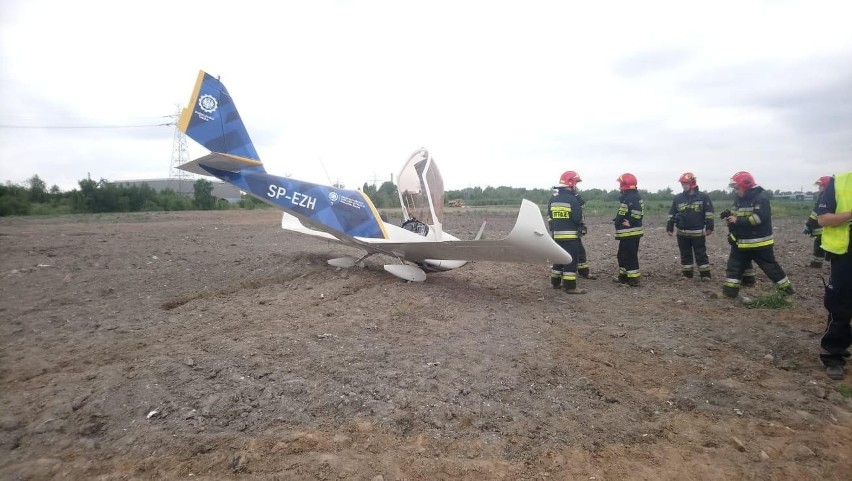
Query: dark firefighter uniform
point(565, 218)
point(813, 229)
point(837, 243)
point(751, 241)
point(749, 277)
point(692, 213)
point(632, 209)
point(582, 260)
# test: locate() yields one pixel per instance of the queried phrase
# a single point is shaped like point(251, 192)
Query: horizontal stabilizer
point(225, 162)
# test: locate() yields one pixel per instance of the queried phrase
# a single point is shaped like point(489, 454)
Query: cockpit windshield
point(421, 189)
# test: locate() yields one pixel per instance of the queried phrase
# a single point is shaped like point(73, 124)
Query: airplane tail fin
point(212, 120)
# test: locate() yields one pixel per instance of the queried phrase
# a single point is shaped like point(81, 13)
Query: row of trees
point(599, 201)
point(386, 196)
point(102, 196)
point(511, 195)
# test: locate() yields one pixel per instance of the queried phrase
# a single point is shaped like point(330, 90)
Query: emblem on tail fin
point(208, 103)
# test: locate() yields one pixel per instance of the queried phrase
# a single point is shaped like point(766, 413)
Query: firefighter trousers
point(582, 260)
point(740, 260)
point(697, 246)
point(566, 274)
point(819, 254)
point(628, 260)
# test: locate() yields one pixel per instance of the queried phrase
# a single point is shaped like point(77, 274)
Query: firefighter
point(583, 261)
point(692, 213)
point(565, 218)
point(628, 230)
point(812, 227)
point(834, 214)
point(751, 239)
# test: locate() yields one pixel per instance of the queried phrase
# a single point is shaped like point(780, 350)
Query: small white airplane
point(348, 216)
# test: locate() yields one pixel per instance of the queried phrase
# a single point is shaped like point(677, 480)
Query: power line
point(3, 126)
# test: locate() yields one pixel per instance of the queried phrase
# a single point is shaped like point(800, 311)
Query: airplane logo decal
point(208, 103)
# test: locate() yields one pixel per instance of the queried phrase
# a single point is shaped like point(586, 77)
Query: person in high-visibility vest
point(751, 238)
point(834, 214)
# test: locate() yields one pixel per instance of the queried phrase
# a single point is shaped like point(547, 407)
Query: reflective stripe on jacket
point(565, 214)
point(691, 212)
point(753, 228)
point(632, 209)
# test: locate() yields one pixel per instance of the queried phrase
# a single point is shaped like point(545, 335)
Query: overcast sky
point(501, 93)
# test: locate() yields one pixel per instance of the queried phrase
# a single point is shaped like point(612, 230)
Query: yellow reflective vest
point(835, 238)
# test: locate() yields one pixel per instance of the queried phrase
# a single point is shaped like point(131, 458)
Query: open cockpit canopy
point(421, 189)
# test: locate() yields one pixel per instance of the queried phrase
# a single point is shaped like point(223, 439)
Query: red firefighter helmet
point(823, 181)
point(626, 181)
point(688, 178)
point(742, 180)
point(569, 179)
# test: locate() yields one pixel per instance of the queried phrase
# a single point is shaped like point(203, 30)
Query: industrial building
point(221, 190)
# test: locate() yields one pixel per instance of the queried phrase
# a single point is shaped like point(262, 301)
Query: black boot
point(585, 274)
point(570, 287)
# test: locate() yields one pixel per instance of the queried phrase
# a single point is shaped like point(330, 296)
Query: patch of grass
point(776, 300)
point(845, 390)
point(794, 208)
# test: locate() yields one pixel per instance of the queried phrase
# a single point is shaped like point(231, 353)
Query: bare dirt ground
point(214, 345)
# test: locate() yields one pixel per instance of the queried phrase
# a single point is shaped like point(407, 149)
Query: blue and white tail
point(212, 120)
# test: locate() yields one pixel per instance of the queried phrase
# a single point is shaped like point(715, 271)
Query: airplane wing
point(528, 242)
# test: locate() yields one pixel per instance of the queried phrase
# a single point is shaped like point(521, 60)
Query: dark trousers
point(582, 260)
point(741, 260)
point(697, 246)
point(566, 274)
point(837, 337)
point(628, 260)
point(819, 254)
